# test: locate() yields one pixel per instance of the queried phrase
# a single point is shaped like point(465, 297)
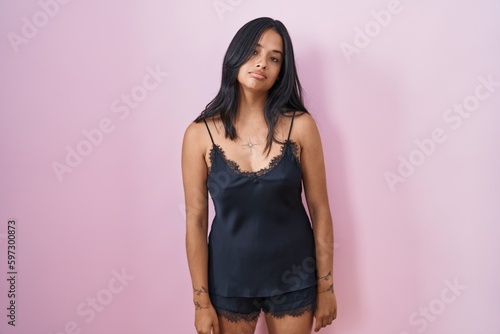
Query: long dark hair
point(285, 95)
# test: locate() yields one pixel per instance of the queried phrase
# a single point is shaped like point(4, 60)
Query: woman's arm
point(314, 178)
point(194, 176)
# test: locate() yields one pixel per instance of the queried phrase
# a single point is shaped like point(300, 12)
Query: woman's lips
point(258, 75)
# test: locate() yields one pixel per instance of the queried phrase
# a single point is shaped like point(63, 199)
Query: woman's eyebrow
point(276, 51)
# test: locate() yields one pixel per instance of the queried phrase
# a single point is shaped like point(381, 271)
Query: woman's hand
point(326, 310)
point(205, 320)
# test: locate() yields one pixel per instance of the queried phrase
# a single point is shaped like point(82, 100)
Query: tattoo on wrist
point(197, 305)
point(200, 291)
point(330, 288)
point(326, 277)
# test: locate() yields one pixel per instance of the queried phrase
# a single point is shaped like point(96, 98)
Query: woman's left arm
point(314, 178)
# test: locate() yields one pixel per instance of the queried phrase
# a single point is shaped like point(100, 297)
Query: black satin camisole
point(261, 242)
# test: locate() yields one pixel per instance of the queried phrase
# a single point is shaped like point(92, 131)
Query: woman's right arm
point(194, 177)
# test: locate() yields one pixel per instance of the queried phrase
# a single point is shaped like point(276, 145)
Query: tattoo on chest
point(250, 145)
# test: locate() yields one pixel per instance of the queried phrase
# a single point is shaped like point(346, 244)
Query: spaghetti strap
point(291, 124)
point(210, 133)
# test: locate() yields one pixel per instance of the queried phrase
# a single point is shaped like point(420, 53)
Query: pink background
point(120, 210)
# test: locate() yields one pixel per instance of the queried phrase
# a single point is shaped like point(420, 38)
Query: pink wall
point(100, 243)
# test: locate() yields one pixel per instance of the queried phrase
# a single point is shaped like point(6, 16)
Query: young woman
point(253, 148)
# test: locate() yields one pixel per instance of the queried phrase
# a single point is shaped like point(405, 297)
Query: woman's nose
point(261, 63)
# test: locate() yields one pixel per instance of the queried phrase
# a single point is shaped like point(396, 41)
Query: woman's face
point(261, 70)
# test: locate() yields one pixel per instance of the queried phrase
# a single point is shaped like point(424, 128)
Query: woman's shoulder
point(194, 130)
point(197, 133)
point(302, 121)
point(304, 129)
point(199, 126)
point(195, 136)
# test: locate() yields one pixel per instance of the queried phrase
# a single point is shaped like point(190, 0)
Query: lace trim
point(272, 164)
point(294, 313)
point(211, 155)
point(295, 151)
point(237, 317)
point(251, 317)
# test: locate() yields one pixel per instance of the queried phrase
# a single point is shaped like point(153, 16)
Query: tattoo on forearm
point(326, 277)
point(200, 291)
point(197, 305)
point(330, 288)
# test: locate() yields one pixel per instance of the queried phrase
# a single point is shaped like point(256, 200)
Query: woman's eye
point(274, 59)
point(255, 52)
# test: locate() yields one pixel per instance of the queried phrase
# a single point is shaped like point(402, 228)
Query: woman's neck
point(251, 105)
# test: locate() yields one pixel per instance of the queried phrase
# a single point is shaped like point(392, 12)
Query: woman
point(252, 148)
